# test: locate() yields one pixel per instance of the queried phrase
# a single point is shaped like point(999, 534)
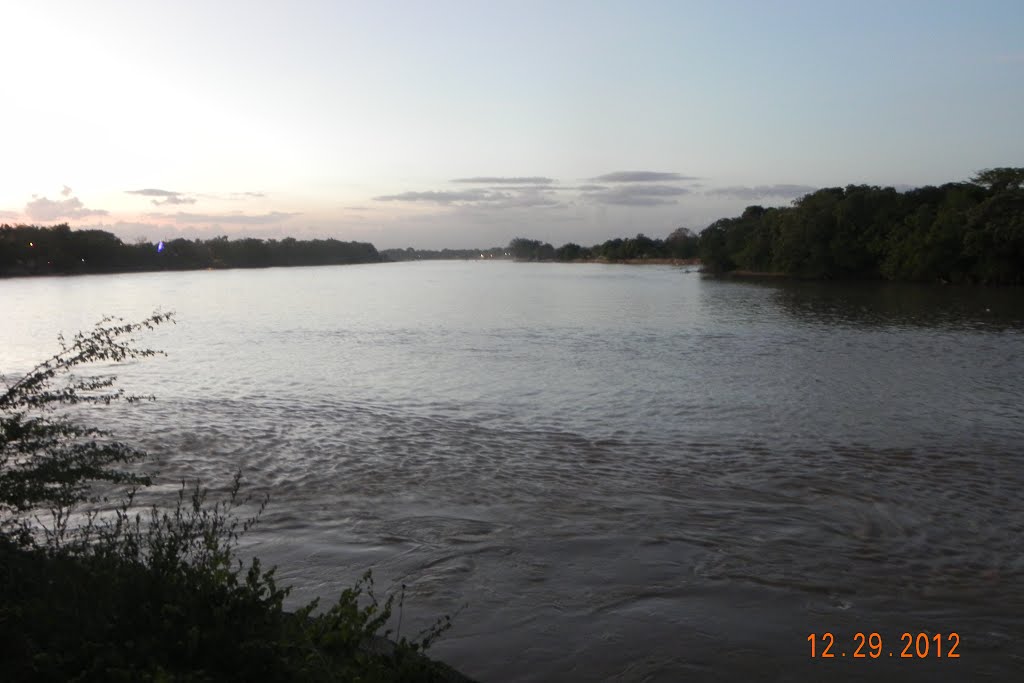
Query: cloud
point(168, 196)
point(526, 188)
point(760, 191)
point(526, 200)
point(66, 192)
point(176, 199)
point(641, 177)
point(439, 197)
point(518, 197)
point(43, 209)
point(499, 180)
point(231, 218)
point(637, 195)
point(153, 193)
point(228, 196)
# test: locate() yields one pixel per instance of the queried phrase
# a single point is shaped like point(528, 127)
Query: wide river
point(616, 472)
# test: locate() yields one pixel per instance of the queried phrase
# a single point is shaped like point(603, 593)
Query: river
point(608, 472)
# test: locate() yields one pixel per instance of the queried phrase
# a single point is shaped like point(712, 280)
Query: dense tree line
point(33, 250)
point(681, 244)
point(410, 254)
point(958, 232)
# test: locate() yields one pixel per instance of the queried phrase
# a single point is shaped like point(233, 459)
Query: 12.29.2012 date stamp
point(872, 646)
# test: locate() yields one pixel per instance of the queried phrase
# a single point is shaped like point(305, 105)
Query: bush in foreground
point(155, 594)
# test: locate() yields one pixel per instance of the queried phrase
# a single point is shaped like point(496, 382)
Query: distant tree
point(31, 250)
point(714, 246)
point(571, 251)
point(1000, 179)
point(643, 247)
point(682, 243)
point(994, 239)
point(610, 249)
point(524, 249)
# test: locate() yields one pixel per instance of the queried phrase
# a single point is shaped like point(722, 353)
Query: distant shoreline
point(754, 275)
point(30, 251)
point(13, 274)
point(647, 261)
point(625, 262)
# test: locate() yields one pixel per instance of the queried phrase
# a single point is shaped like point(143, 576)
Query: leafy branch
point(48, 461)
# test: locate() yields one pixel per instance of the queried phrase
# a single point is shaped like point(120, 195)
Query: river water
point(610, 472)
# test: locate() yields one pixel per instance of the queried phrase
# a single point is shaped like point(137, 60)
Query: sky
point(465, 124)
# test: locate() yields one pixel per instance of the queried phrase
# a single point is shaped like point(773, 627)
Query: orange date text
point(872, 645)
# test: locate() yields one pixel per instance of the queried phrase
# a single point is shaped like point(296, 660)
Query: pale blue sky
point(354, 120)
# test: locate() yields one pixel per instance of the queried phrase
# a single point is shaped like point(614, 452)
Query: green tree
point(994, 241)
point(1000, 179)
point(571, 251)
point(682, 243)
point(714, 246)
point(528, 250)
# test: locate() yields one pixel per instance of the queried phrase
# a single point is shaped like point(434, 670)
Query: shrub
point(49, 462)
point(157, 594)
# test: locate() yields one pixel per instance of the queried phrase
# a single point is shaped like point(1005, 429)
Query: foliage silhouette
point(958, 232)
point(158, 594)
point(681, 244)
point(34, 250)
point(47, 460)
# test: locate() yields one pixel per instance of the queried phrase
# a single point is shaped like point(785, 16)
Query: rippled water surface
point(629, 473)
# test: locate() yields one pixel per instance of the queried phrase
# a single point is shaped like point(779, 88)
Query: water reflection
point(872, 304)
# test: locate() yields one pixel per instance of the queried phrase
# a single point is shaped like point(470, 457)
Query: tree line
point(34, 250)
point(682, 243)
point(410, 254)
point(966, 232)
point(969, 232)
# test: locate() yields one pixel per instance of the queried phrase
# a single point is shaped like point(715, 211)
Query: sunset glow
point(408, 124)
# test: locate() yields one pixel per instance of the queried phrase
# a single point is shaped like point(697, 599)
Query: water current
point(609, 472)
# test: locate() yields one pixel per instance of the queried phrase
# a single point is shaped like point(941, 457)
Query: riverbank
point(766, 275)
point(625, 262)
point(649, 261)
point(68, 613)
